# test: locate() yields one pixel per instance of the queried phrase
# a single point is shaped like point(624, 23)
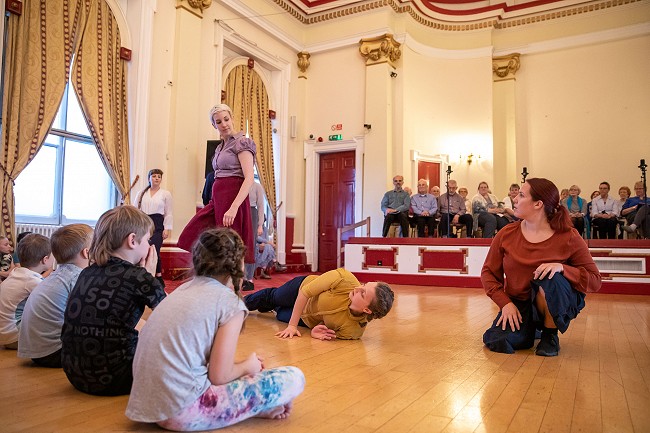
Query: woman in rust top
point(537, 271)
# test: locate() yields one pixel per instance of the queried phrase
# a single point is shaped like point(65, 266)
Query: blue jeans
point(563, 302)
point(281, 299)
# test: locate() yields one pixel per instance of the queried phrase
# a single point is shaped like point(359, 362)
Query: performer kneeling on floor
point(537, 271)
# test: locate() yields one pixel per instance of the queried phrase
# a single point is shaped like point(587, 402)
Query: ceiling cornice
point(449, 15)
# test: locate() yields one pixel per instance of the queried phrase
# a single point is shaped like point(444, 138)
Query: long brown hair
point(219, 252)
point(545, 191)
point(152, 171)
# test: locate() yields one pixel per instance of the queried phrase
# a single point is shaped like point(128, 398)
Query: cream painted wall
point(335, 94)
point(584, 113)
point(448, 110)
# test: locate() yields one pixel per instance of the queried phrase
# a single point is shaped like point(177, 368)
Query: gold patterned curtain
point(39, 49)
point(100, 84)
point(247, 97)
point(259, 128)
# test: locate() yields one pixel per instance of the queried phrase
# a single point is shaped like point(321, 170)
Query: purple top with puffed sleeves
point(225, 161)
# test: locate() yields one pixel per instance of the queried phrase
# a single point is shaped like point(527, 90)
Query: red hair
point(545, 191)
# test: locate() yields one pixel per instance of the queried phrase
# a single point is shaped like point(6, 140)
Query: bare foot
point(278, 412)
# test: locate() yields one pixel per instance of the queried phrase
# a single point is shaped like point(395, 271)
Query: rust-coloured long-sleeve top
point(511, 261)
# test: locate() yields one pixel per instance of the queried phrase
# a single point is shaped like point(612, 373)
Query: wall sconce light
point(469, 159)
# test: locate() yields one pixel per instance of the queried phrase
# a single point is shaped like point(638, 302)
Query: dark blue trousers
point(563, 301)
point(281, 299)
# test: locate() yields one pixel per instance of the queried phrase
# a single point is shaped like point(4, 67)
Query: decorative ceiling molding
point(450, 15)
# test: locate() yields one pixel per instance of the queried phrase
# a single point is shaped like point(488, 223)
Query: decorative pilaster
point(194, 6)
point(507, 156)
point(382, 49)
point(303, 63)
point(505, 67)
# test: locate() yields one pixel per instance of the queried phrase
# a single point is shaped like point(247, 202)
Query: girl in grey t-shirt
point(185, 377)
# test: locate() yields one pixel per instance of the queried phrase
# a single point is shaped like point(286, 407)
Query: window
point(66, 182)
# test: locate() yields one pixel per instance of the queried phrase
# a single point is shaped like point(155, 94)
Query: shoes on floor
point(630, 229)
point(549, 345)
point(247, 286)
point(264, 275)
point(280, 268)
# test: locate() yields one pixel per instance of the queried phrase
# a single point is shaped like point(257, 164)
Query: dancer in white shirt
point(157, 203)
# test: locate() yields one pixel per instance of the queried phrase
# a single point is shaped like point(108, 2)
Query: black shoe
point(247, 286)
point(549, 345)
point(161, 281)
point(257, 301)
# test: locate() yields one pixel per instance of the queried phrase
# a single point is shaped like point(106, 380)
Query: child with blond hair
point(40, 338)
point(99, 329)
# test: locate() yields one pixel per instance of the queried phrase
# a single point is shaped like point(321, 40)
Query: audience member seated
point(577, 207)
point(604, 213)
point(487, 211)
point(463, 193)
point(564, 194)
point(265, 256)
point(435, 191)
point(634, 211)
point(509, 202)
point(424, 207)
point(452, 206)
point(624, 193)
point(395, 206)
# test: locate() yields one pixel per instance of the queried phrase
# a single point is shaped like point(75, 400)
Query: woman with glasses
point(577, 207)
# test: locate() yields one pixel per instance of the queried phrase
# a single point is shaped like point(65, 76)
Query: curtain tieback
point(7, 174)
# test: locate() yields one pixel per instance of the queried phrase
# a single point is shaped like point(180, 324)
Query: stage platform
point(624, 264)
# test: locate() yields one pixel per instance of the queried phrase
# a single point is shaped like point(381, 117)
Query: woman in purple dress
point(233, 176)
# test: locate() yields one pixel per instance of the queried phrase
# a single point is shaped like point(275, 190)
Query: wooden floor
point(423, 368)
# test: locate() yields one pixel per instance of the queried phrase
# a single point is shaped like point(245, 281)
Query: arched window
point(66, 181)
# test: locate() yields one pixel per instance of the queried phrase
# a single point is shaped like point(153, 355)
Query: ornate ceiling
point(454, 15)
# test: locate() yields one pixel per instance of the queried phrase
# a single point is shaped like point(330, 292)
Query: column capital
point(382, 49)
point(505, 67)
point(196, 7)
point(303, 63)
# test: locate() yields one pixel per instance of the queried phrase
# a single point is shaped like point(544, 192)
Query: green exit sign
point(336, 137)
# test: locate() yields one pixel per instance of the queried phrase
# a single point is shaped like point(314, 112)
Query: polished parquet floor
point(423, 368)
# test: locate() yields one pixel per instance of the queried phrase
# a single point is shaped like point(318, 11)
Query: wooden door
point(431, 172)
point(336, 203)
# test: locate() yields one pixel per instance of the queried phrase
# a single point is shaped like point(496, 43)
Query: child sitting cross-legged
point(185, 377)
point(40, 338)
point(36, 257)
point(6, 258)
point(99, 328)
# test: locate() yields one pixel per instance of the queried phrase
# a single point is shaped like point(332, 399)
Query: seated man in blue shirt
point(395, 206)
point(634, 210)
point(424, 207)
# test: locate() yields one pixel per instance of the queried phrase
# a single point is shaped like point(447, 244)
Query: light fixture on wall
point(469, 158)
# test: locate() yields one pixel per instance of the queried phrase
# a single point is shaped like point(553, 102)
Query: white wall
point(448, 110)
point(584, 113)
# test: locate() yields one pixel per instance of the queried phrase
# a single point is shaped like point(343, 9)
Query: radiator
point(43, 229)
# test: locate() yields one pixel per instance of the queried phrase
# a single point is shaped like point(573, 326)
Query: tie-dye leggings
point(246, 397)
